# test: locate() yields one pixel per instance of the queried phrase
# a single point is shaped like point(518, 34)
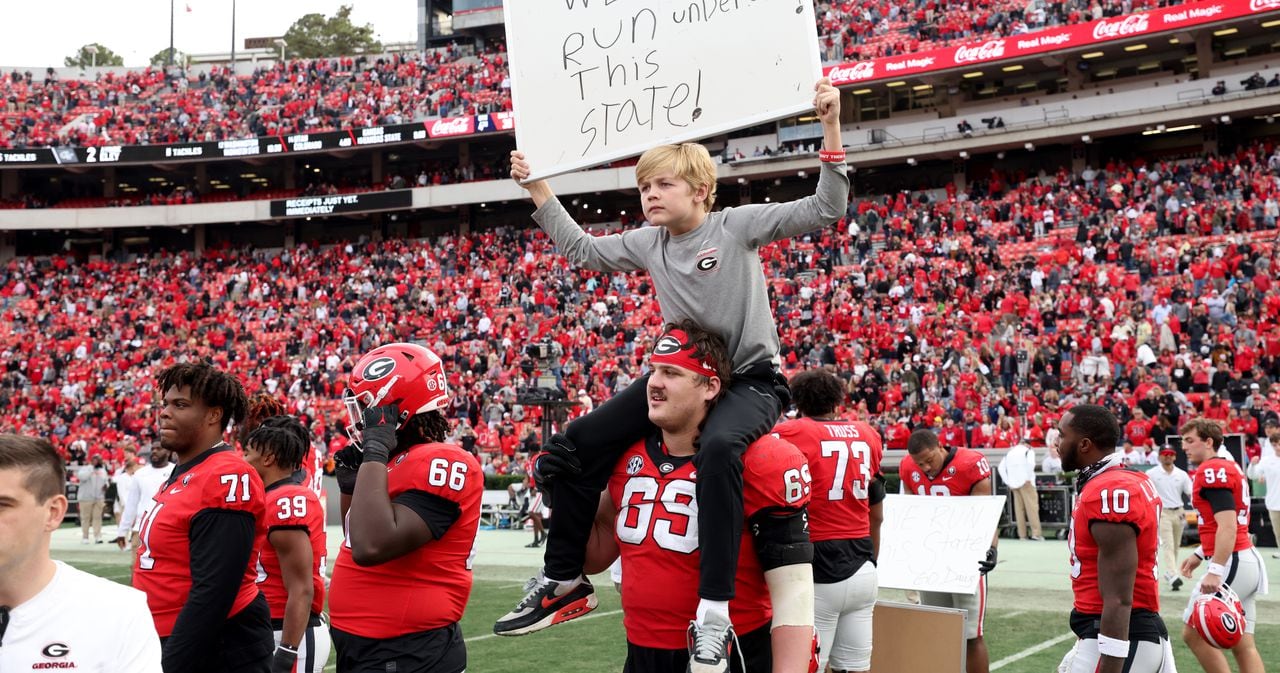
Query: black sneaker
point(541, 607)
point(1175, 584)
point(710, 646)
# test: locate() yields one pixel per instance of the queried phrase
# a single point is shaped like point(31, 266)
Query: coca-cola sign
point(451, 126)
point(1085, 35)
point(855, 72)
point(1134, 24)
point(983, 52)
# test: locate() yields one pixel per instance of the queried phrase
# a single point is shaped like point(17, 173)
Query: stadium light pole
point(233, 37)
point(170, 59)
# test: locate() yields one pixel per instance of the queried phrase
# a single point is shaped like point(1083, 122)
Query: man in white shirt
point(1172, 483)
point(139, 497)
point(1018, 471)
point(42, 601)
point(123, 475)
point(1267, 470)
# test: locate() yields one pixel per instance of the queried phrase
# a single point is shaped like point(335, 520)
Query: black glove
point(346, 463)
point(558, 460)
point(378, 436)
point(283, 660)
point(782, 390)
point(989, 564)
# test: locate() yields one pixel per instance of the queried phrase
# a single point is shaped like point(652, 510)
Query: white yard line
point(1019, 656)
point(1016, 613)
point(593, 615)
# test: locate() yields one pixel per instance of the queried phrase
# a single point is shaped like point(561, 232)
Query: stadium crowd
point(298, 96)
point(979, 313)
point(155, 105)
point(852, 30)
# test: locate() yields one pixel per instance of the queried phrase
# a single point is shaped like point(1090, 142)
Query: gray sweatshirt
point(711, 275)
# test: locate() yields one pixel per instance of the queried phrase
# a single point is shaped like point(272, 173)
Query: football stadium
point(255, 259)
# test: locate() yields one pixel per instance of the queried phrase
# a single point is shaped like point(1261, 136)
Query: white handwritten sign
point(934, 543)
point(599, 80)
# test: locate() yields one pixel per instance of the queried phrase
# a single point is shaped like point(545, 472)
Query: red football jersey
point(428, 587)
point(1221, 473)
point(657, 532)
point(844, 456)
point(219, 479)
point(315, 473)
point(292, 506)
point(963, 469)
point(1120, 496)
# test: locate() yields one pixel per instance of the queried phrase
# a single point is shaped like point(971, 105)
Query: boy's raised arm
point(600, 253)
point(764, 223)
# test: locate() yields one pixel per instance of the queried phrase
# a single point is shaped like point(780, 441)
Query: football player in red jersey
point(199, 539)
point(844, 517)
point(1220, 496)
point(291, 565)
point(1114, 535)
point(648, 515)
point(411, 527)
point(932, 469)
point(263, 405)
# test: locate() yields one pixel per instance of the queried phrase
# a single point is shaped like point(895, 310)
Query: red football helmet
point(409, 375)
point(1219, 618)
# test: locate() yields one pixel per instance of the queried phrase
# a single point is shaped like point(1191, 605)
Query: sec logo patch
point(635, 465)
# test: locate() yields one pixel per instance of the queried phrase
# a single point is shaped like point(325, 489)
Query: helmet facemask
point(356, 403)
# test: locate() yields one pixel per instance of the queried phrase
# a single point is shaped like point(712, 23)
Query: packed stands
point(152, 106)
point(1146, 284)
point(851, 30)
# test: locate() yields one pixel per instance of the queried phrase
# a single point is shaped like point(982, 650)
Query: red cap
point(1168, 449)
point(674, 349)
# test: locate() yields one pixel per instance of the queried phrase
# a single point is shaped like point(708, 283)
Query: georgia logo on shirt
point(55, 653)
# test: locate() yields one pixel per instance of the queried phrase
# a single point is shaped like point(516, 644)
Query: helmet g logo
point(1229, 622)
point(378, 369)
point(667, 345)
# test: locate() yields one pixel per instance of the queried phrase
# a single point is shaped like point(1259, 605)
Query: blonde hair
point(688, 161)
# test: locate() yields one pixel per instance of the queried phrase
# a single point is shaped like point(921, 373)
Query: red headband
point(674, 349)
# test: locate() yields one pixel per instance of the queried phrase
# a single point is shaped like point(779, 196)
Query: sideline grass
point(1029, 602)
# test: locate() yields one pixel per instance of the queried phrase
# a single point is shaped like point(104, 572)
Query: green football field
point(1026, 632)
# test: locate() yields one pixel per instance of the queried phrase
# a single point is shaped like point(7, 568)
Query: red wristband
point(831, 157)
